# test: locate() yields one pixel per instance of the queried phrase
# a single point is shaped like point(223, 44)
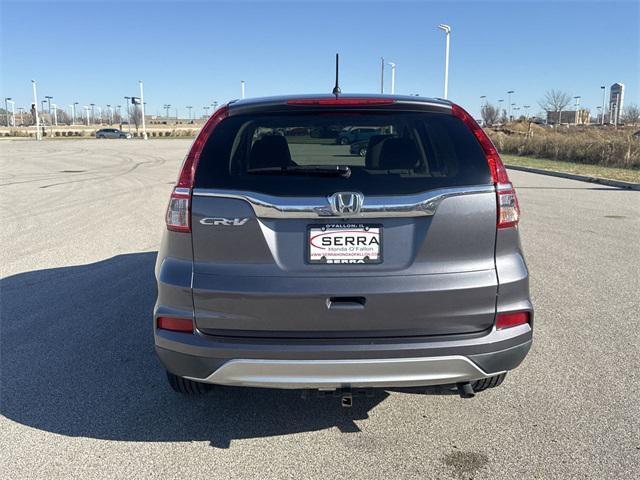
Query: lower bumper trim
point(362, 373)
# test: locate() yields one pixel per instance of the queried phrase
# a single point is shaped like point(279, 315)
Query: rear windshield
point(376, 154)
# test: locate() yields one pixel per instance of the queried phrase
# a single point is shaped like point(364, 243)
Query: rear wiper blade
point(316, 170)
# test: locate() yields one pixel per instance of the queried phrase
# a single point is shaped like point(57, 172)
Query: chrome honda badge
point(346, 203)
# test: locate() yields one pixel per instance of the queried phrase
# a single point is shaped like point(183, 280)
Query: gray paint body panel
point(446, 270)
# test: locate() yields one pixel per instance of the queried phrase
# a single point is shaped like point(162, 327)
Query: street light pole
point(447, 30)
point(526, 111)
point(144, 127)
point(604, 89)
point(35, 107)
point(55, 114)
point(21, 111)
point(382, 75)
point(215, 106)
point(577, 99)
point(49, 98)
point(6, 108)
point(393, 77)
point(241, 88)
point(189, 107)
point(509, 106)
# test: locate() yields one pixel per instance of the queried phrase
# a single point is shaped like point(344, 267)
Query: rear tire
point(186, 386)
point(344, 141)
point(491, 382)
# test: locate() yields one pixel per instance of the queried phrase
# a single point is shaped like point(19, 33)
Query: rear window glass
point(386, 154)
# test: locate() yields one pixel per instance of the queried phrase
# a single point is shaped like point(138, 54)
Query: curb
point(582, 178)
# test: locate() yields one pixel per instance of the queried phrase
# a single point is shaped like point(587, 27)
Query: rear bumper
point(292, 363)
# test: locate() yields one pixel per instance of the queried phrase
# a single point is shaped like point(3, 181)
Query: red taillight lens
point(188, 171)
point(178, 215)
point(508, 208)
point(512, 319)
point(175, 324)
point(342, 101)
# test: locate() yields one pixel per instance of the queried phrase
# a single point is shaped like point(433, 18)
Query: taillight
point(511, 319)
point(507, 201)
point(178, 216)
point(175, 324)
point(342, 101)
point(178, 212)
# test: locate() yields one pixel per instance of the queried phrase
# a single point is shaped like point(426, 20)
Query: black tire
point(344, 141)
point(491, 382)
point(363, 152)
point(187, 387)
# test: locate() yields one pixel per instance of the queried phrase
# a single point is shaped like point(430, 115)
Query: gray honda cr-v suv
point(288, 262)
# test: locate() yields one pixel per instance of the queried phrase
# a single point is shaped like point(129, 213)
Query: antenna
point(336, 89)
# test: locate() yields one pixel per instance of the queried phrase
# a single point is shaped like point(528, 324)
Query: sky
point(195, 53)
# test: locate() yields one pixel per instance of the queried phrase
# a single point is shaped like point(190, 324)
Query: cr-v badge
point(226, 222)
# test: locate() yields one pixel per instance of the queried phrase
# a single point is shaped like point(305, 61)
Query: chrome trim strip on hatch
point(271, 206)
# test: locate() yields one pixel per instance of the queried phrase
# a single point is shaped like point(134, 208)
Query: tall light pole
point(526, 111)
point(500, 106)
point(381, 75)
point(49, 98)
point(215, 106)
point(604, 89)
point(166, 106)
point(577, 99)
point(74, 112)
point(93, 112)
point(393, 77)
point(110, 114)
point(189, 107)
point(206, 112)
point(509, 106)
point(87, 110)
point(35, 107)
point(6, 108)
point(483, 101)
point(144, 127)
point(126, 104)
point(21, 111)
point(241, 88)
point(119, 107)
point(55, 114)
point(447, 30)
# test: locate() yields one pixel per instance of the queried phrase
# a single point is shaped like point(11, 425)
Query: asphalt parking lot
point(82, 395)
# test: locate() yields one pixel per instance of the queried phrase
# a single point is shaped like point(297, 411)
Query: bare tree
point(555, 101)
point(135, 116)
point(489, 114)
point(631, 114)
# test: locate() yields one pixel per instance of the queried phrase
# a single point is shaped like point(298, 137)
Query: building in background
point(581, 117)
point(616, 102)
